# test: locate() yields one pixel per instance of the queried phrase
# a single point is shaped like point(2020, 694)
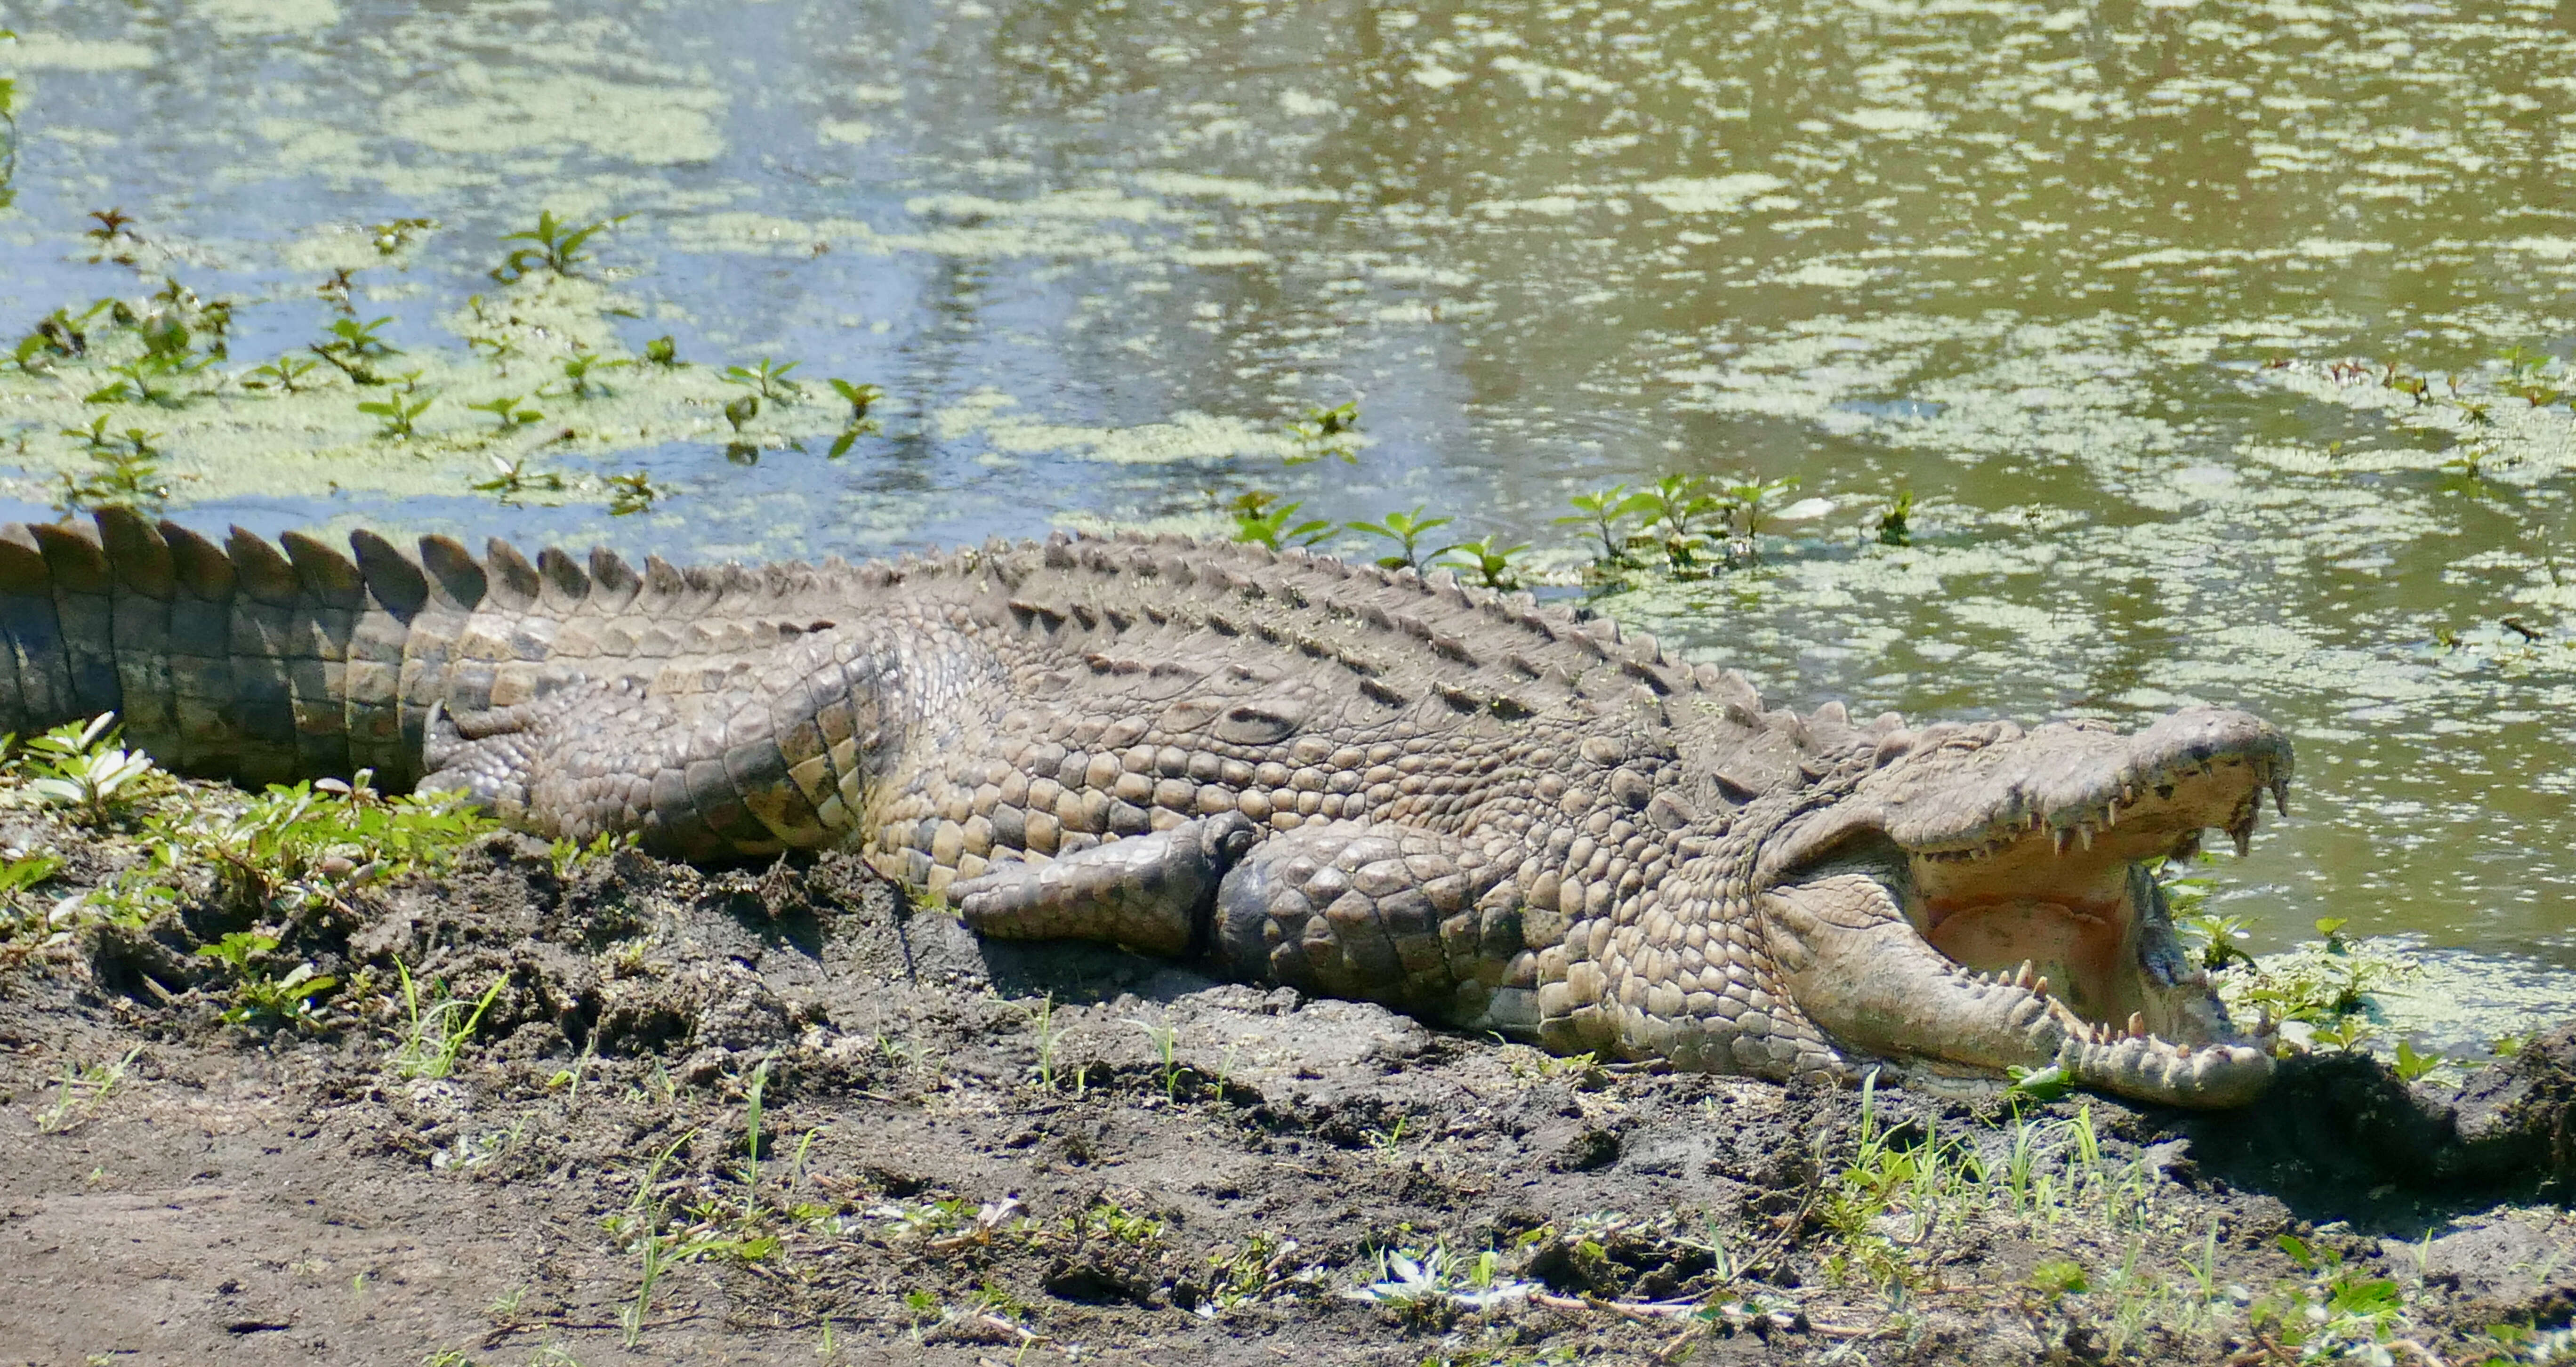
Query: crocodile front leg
point(1856, 967)
point(1367, 911)
point(1151, 893)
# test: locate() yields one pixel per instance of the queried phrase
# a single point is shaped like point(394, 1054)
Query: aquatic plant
point(1326, 432)
point(284, 374)
point(861, 398)
point(1406, 530)
point(555, 247)
point(1493, 566)
point(1896, 525)
point(395, 413)
point(1604, 514)
point(148, 379)
point(57, 335)
point(508, 413)
point(353, 347)
point(389, 238)
point(633, 492)
point(511, 479)
point(1261, 518)
point(127, 473)
point(577, 380)
point(109, 238)
point(767, 379)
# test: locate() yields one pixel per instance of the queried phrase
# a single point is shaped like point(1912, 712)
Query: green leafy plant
point(20, 873)
point(2057, 1277)
point(1048, 1037)
point(58, 335)
point(1747, 503)
point(633, 492)
point(126, 470)
point(8, 133)
point(258, 999)
point(2220, 939)
point(1262, 1266)
point(554, 246)
point(1406, 530)
point(1896, 525)
point(285, 373)
point(1604, 514)
point(295, 844)
point(1326, 432)
point(766, 378)
point(664, 352)
point(577, 381)
point(742, 410)
point(396, 413)
point(1491, 565)
point(511, 480)
point(569, 855)
point(508, 412)
point(2412, 1066)
point(2339, 1313)
point(149, 379)
point(1114, 1222)
point(81, 766)
point(353, 348)
point(391, 237)
point(1262, 519)
point(861, 398)
point(1675, 507)
point(109, 238)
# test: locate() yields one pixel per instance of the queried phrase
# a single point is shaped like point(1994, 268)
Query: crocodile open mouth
point(2068, 895)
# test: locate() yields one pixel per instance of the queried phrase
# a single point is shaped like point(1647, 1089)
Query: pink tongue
point(2074, 949)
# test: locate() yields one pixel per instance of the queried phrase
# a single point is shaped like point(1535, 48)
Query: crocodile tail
point(251, 660)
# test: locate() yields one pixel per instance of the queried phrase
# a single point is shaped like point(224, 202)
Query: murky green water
point(2035, 265)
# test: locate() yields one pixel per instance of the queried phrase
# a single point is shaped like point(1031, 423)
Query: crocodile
point(1355, 781)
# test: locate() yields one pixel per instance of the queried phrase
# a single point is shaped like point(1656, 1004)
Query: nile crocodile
point(1357, 782)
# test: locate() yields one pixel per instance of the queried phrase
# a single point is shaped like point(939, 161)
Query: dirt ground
point(792, 1119)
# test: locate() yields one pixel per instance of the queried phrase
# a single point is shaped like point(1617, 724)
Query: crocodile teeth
point(2039, 988)
point(2022, 976)
point(2085, 835)
point(2111, 815)
point(2137, 1025)
point(2060, 836)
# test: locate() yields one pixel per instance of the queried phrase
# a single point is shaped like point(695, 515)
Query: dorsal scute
point(200, 565)
point(136, 554)
point(453, 572)
point(22, 562)
point(398, 584)
point(614, 583)
point(566, 583)
point(73, 557)
point(512, 582)
point(662, 582)
point(260, 569)
point(328, 577)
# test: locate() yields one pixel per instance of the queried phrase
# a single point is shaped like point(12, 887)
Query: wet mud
point(825, 1122)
